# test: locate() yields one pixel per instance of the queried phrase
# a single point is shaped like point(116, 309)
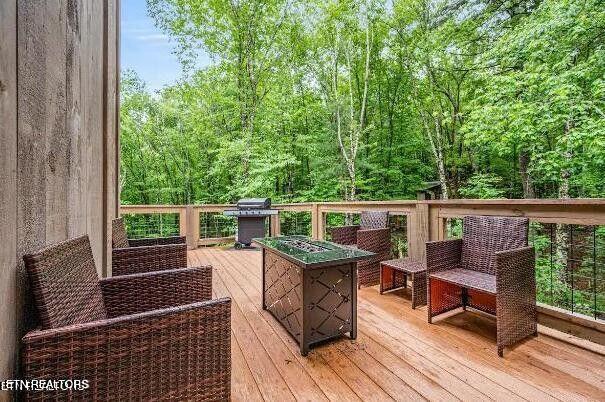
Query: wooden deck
point(397, 356)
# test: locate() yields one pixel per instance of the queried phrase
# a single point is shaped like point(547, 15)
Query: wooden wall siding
point(8, 184)
point(59, 139)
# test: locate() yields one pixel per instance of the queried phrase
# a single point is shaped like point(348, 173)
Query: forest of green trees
point(326, 100)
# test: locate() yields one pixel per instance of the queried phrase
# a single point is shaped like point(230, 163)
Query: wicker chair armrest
point(182, 351)
point(516, 268)
point(516, 295)
point(443, 255)
point(133, 260)
point(137, 293)
point(344, 234)
point(156, 241)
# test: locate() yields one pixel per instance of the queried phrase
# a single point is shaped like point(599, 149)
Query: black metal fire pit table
point(310, 287)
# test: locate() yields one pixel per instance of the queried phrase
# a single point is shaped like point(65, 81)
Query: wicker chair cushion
point(469, 279)
point(65, 284)
point(374, 220)
point(483, 236)
point(118, 234)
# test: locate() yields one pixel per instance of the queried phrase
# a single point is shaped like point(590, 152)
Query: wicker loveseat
point(146, 336)
point(372, 234)
point(130, 256)
point(491, 269)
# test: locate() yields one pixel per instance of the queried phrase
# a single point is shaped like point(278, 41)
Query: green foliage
point(484, 186)
point(492, 99)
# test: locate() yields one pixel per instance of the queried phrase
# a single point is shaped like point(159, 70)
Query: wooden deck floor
point(397, 356)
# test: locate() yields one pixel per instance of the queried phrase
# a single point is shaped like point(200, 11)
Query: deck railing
point(569, 236)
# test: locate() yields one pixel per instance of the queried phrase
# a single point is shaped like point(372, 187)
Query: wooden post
point(420, 234)
point(183, 222)
point(193, 226)
point(315, 221)
point(321, 224)
point(434, 226)
point(275, 225)
point(442, 228)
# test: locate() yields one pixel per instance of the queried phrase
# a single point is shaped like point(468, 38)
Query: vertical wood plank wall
point(58, 140)
point(8, 184)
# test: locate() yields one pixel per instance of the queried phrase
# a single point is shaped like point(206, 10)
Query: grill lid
point(254, 203)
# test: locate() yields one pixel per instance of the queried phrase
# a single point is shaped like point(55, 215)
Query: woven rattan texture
point(119, 238)
point(345, 235)
point(65, 284)
point(372, 235)
point(406, 264)
point(157, 241)
point(495, 250)
point(397, 272)
point(131, 256)
point(161, 289)
point(377, 241)
point(164, 341)
point(374, 220)
point(484, 236)
point(181, 353)
point(134, 260)
point(469, 279)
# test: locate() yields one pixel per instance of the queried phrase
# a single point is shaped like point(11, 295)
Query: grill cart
point(251, 216)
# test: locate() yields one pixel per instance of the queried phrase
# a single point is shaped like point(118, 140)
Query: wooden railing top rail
point(503, 201)
point(506, 201)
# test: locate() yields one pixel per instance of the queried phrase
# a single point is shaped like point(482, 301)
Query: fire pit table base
point(313, 305)
point(315, 301)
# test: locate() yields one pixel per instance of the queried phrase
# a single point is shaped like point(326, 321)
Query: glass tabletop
point(312, 252)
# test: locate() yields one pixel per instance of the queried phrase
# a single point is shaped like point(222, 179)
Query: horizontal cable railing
point(140, 226)
point(569, 235)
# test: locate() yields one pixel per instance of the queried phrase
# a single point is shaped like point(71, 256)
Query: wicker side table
point(394, 275)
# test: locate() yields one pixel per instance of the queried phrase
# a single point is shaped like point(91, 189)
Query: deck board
point(397, 356)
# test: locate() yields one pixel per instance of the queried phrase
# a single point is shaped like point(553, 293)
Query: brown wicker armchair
point(148, 336)
point(373, 234)
point(491, 269)
point(131, 256)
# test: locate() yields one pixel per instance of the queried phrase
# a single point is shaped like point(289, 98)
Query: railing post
point(418, 231)
point(193, 226)
point(317, 222)
point(275, 225)
point(314, 221)
point(321, 223)
point(436, 228)
point(183, 222)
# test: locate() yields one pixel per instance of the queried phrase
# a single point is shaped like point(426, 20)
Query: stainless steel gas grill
point(251, 216)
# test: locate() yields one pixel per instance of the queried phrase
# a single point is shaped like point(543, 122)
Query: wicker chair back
point(483, 236)
point(374, 220)
point(65, 284)
point(119, 239)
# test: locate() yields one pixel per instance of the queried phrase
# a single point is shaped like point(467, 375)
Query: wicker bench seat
point(469, 279)
point(491, 269)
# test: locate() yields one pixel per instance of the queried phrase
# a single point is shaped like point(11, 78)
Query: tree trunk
point(562, 237)
point(526, 180)
point(438, 154)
